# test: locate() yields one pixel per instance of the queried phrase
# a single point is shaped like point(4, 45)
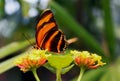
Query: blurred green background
point(96, 24)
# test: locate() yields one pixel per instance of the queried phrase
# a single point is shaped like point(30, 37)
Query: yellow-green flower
point(87, 60)
point(33, 59)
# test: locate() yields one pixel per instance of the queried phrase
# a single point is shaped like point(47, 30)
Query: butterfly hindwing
point(48, 36)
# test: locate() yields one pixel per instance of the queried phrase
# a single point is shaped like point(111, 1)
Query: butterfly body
point(48, 36)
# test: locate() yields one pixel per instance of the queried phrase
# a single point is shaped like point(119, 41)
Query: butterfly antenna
point(72, 40)
point(26, 37)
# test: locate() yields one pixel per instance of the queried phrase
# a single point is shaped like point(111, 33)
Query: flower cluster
point(36, 58)
point(33, 59)
point(87, 60)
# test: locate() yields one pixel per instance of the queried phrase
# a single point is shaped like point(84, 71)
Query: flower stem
point(35, 74)
point(82, 70)
point(58, 75)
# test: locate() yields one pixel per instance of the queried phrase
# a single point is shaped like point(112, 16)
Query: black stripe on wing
point(54, 42)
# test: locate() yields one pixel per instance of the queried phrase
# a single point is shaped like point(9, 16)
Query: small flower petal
point(33, 59)
point(86, 59)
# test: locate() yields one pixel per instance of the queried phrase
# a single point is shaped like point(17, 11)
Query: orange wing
point(48, 36)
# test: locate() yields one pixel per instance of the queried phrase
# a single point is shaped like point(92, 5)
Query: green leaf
point(14, 47)
point(8, 64)
point(47, 66)
point(53, 70)
point(113, 72)
point(108, 27)
point(60, 61)
point(65, 70)
point(92, 75)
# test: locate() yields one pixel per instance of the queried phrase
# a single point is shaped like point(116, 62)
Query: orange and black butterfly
point(48, 36)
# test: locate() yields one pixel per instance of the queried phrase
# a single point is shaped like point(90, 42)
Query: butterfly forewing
point(45, 23)
point(45, 17)
point(48, 36)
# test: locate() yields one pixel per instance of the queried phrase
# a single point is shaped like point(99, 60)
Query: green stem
point(58, 75)
point(35, 74)
point(82, 70)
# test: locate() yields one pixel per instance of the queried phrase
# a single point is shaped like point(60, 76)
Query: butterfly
point(48, 36)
